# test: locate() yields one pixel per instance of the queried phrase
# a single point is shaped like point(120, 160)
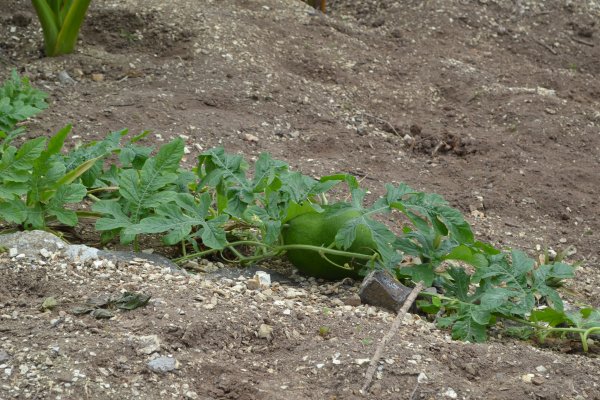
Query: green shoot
point(61, 21)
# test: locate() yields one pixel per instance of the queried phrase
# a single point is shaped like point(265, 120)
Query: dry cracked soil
point(494, 104)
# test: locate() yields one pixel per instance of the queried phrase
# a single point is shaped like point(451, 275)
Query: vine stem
point(584, 337)
point(203, 253)
point(103, 189)
point(276, 250)
point(583, 333)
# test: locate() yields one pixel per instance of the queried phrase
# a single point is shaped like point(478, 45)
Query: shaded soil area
point(493, 104)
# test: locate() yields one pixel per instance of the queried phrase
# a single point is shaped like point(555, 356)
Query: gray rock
point(4, 356)
point(45, 253)
point(65, 78)
point(381, 289)
point(163, 364)
point(34, 243)
point(81, 252)
point(31, 243)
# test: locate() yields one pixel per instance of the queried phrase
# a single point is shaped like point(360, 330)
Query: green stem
point(325, 250)
point(91, 196)
point(584, 337)
point(334, 263)
point(200, 254)
point(276, 250)
point(236, 253)
point(48, 21)
point(103, 189)
point(250, 259)
point(583, 333)
point(88, 214)
point(69, 30)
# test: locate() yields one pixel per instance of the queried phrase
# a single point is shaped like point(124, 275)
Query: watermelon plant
point(18, 101)
point(35, 185)
point(244, 213)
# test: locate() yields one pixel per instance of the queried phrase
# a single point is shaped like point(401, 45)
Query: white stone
point(148, 344)
point(450, 393)
point(527, 378)
point(263, 278)
point(265, 331)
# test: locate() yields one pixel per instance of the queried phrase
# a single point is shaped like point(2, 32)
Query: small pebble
point(265, 331)
point(250, 138)
point(97, 77)
point(450, 393)
point(65, 78)
point(540, 368)
point(527, 378)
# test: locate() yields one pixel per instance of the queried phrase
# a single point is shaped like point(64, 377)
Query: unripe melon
point(319, 229)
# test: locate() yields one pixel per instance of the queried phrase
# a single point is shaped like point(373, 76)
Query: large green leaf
point(66, 194)
point(467, 254)
point(14, 211)
point(269, 226)
point(468, 329)
point(513, 280)
point(114, 217)
point(458, 284)
point(143, 188)
point(172, 219)
point(215, 166)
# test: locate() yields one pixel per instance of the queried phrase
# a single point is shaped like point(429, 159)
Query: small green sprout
point(324, 331)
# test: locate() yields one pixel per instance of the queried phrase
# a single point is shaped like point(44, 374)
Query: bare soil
point(493, 104)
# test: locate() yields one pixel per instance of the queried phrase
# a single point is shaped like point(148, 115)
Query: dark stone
point(377, 22)
point(381, 289)
point(22, 19)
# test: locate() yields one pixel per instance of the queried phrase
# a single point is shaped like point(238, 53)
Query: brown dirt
point(493, 104)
